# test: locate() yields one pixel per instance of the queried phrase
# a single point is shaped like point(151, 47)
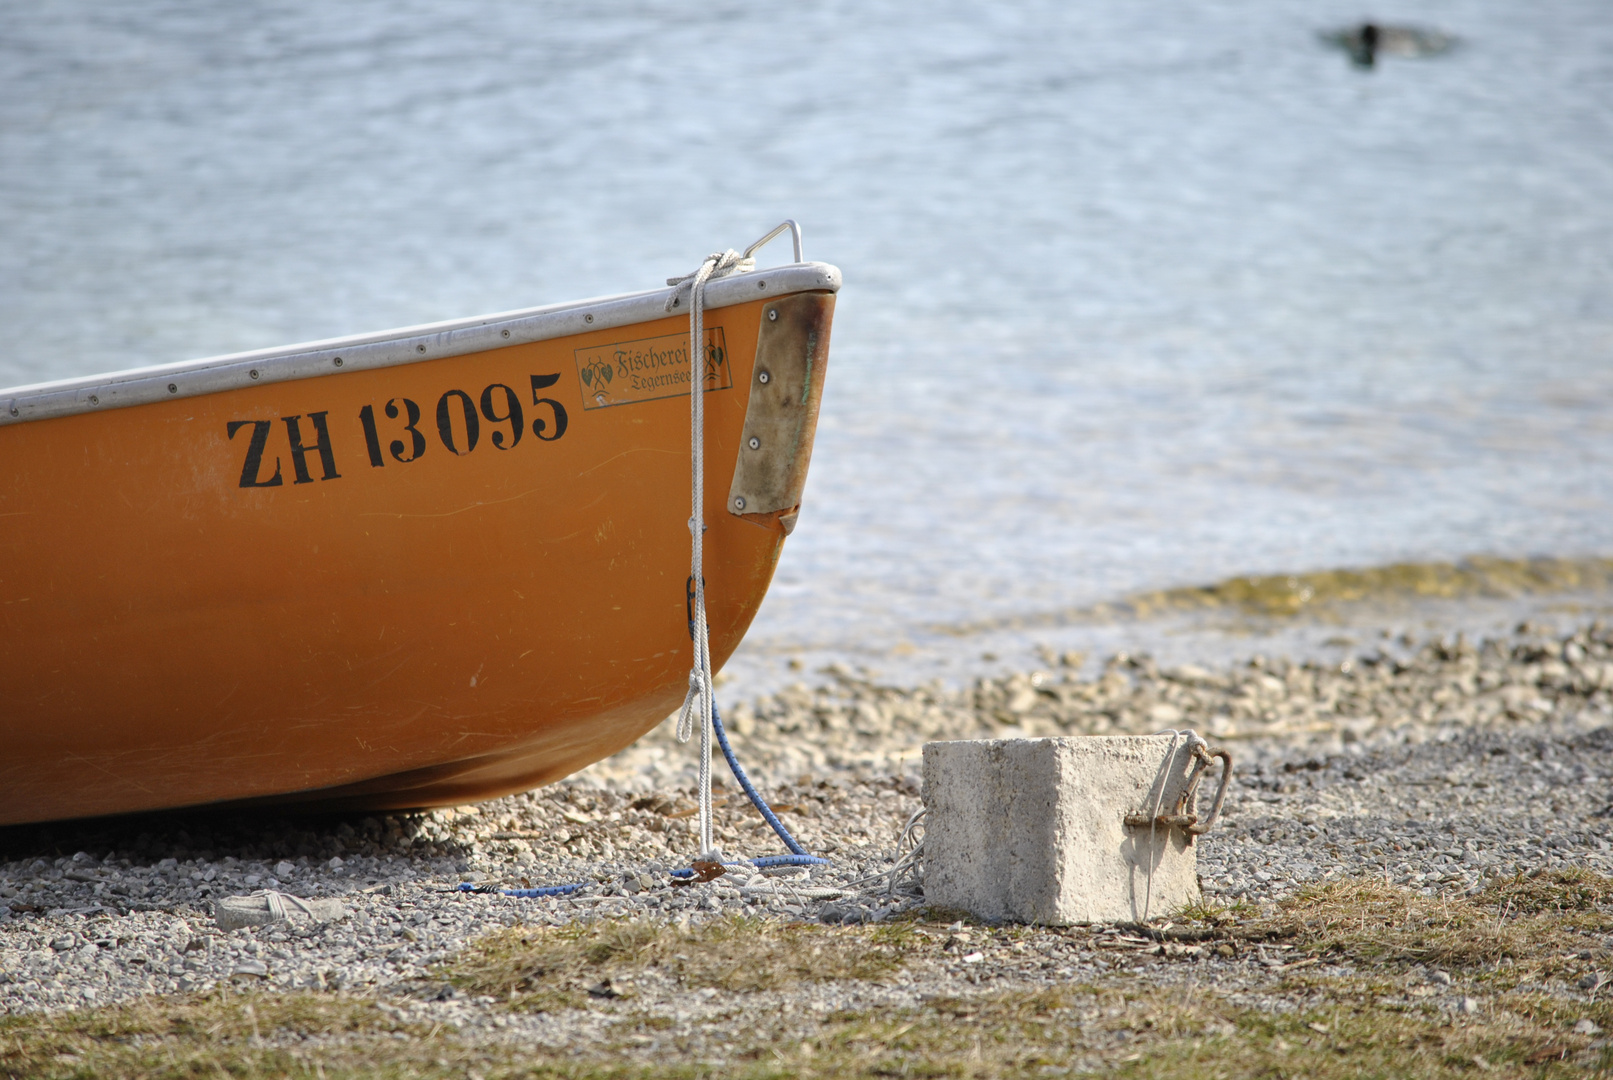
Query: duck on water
point(1367, 41)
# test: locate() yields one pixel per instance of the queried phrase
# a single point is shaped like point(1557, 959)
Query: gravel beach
point(1439, 772)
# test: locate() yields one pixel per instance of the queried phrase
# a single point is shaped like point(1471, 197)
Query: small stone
point(335, 863)
point(250, 969)
point(1469, 1006)
point(1443, 978)
point(284, 869)
point(1587, 1026)
point(1592, 981)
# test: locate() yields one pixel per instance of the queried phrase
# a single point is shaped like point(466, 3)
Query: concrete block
point(1034, 830)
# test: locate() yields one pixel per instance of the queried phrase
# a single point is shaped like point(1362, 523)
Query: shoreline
point(1322, 614)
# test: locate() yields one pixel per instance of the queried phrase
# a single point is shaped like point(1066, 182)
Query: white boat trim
point(388, 348)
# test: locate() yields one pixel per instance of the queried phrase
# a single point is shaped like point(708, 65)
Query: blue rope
point(788, 860)
point(799, 856)
point(688, 872)
point(523, 894)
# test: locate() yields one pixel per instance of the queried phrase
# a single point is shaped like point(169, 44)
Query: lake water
point(1136, 295)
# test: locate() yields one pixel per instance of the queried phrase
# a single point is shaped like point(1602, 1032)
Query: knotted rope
point(281, 905)
point(700, 702)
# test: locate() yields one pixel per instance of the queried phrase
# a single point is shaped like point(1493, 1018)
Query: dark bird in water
point(1367, 41)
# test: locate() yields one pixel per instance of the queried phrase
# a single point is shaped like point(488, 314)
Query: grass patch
point(224, 1033)
point(1208, 913)
point(1340, 1039)
point(1125, 1030)
point(560, 967)
point(1149, 1032)
point(1549, 924)
point(1555, 891)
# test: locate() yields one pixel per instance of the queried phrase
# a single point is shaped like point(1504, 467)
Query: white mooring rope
point(1165, 772)
point(698, 703)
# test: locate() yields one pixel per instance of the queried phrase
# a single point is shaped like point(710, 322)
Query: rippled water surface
point(1136, 295)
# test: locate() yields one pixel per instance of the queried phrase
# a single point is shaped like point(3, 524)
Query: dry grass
point(1163, 1034)
point(1552, 924)
point(1345, 1036)
point(224, 1033)
point(1551, 891)
point(1124, 1029)
point(545, 968)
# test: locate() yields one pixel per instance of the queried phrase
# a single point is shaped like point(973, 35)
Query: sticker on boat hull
point(648, 369)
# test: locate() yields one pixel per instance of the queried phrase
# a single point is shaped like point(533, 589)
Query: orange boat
point(415, 568)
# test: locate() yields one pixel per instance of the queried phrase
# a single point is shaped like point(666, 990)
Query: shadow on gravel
point(244, 834)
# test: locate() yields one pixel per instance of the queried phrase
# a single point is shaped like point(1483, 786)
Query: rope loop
point(692, 702)
point(717, 264)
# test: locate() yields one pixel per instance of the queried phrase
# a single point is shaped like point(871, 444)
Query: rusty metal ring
point(1205, 757)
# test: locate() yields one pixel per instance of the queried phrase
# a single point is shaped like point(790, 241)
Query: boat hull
point(408, 585)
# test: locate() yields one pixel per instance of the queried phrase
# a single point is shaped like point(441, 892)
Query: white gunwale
point(389, 348)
